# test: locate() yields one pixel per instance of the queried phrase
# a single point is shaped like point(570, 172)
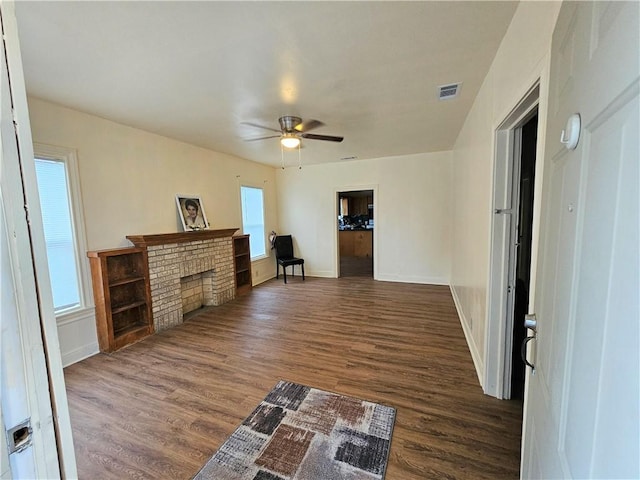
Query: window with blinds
point(253, 219)
point(53, 188)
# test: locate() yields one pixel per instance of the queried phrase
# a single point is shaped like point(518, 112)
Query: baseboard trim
point(262, 279)
point(319, 274)
point(420, 280)
point(80, 353)
point(473, 348)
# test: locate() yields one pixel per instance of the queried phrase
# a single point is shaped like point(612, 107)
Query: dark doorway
point(523, 252)
point(355, 233)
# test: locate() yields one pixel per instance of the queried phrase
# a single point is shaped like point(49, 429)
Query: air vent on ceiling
point(447, 92)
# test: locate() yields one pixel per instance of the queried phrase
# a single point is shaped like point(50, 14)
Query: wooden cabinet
point(358, 206)
point(356, 243)
point(346, 243)
point(242, 263)
point(356, 203)
point(122, 296)
point(363, 244)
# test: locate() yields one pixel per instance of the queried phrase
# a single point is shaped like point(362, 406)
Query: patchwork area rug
point(303, 433)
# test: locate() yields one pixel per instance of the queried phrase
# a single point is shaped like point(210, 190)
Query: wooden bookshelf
point(122, 296)
point(242, 263)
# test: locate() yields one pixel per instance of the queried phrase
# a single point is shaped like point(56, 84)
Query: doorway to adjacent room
point(355, 223)
point(523, 239)
point(514, 246)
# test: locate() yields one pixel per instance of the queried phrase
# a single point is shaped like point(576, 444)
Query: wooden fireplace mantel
point(179, 237)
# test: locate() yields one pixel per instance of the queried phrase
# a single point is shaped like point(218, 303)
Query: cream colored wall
point(129, 179)
point(412, 235)
point(519, 62)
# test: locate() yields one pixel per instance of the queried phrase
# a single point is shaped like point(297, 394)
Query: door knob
point(531, 322)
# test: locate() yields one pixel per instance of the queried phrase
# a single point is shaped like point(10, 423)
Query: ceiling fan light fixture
point(289, 140)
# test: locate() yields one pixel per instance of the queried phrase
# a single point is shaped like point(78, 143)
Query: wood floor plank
point(160, 408)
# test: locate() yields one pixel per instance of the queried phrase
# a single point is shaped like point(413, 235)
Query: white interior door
point(24, 389)
point(581, 411)
point(5, 467)
point(33, 401)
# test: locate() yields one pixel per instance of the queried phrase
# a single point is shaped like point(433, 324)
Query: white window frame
point(264, 218)
point(69, 158)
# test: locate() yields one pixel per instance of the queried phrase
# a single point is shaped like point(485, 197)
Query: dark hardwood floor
point(356, 266)
point(160, 408)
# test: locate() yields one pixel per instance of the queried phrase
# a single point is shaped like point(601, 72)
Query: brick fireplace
point(190, 269)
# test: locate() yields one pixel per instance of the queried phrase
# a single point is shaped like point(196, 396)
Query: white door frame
point(336, 238)
point(505, 202)
point(53, 452)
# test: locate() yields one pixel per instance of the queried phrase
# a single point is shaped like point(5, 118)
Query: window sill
point(75, 315)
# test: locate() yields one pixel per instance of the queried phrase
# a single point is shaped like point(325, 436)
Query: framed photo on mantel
point(191, 213)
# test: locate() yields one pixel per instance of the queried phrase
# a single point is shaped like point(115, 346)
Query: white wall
point(129, 179)
point(412, 235)
point(519, 62)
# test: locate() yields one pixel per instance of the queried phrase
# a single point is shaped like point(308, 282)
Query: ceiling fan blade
point(329, 138)
point(307, 125)
point(259, 126)
point(261, 138)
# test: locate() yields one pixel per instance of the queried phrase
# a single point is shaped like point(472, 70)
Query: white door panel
point(620, 332)
point(582, 417)
point(606, 289)
point(560, 264)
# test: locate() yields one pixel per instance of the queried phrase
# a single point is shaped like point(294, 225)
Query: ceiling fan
point(293, 129)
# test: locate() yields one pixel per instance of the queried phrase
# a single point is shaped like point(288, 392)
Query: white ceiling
point(194, 71)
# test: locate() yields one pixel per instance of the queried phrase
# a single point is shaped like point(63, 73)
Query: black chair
point(284, 256)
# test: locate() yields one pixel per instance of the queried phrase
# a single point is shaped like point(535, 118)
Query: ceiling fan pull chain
point(282, 153)
point(299, 157)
